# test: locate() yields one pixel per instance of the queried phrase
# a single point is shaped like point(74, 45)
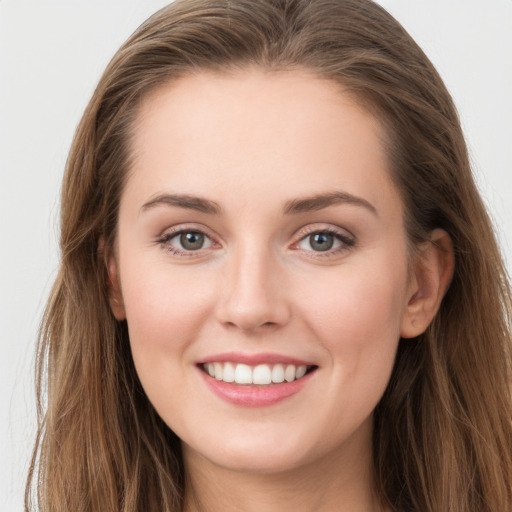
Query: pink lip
point(254, 359)
point(252, 395)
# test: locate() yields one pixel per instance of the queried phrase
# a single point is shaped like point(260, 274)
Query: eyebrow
point(295, 206)
point(320, 201)
point(183, 201)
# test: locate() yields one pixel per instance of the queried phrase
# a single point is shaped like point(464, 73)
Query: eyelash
point(346, 242)
point(165, 239)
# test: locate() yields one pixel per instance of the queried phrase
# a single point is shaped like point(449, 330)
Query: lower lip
point(255, 396)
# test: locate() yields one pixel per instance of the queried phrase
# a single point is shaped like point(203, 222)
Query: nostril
point(252, 297)
point(248, 320)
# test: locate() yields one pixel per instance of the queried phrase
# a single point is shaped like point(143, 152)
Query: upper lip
point(254, 359)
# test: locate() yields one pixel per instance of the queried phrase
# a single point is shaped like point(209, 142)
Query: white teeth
point(243, 374)
point(299, 373)
point(262, 374)
point(289, 373)
point(229, 373)
point(219, 370)
point(278, 374)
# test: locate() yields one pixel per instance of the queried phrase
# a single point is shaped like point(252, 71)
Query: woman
point(279, 287)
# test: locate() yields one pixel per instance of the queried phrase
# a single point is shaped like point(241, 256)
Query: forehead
point(257, 132)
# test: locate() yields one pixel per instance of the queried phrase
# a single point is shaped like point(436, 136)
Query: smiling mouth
point(259, 375)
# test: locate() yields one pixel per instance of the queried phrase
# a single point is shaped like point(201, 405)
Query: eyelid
point(169, 233)
point(346, 237)
point(320, 227)
point(348, 240)
point(187, 226)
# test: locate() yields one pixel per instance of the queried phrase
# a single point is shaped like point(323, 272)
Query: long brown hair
point(443, 429)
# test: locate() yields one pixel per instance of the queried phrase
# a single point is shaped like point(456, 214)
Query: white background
point(51, 56)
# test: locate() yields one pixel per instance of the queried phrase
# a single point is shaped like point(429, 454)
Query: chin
point(266, 453)
point(256, 462)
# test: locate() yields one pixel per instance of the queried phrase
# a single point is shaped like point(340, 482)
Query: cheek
point(356, 314)
point(358, 325)
point(164, 308)
point(356, 303)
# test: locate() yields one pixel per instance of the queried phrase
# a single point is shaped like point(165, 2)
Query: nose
point(253, 294)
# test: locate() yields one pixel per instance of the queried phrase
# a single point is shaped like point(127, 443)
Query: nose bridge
point(252, 293)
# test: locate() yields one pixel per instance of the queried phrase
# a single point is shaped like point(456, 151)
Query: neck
point(337, 482)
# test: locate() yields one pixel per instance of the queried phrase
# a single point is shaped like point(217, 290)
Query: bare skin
point(259, 223)
point(300, 489)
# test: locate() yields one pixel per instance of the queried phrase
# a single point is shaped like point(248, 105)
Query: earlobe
point(113, 284)
point(114, 289)
point(430, 279)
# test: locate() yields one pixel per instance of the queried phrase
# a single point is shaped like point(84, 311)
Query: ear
point(430, 277)
point(113, 284)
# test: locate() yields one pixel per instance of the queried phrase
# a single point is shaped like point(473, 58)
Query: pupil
point(321, 241)
point(192, 241)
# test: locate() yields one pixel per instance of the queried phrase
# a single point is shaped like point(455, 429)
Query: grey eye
point(192, 240)
point(324, 241)
point(186, 242)
point(321, 241)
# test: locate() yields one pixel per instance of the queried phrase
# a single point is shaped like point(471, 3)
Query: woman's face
point(261, 237)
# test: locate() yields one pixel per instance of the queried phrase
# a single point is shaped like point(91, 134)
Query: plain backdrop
point(51, 56)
